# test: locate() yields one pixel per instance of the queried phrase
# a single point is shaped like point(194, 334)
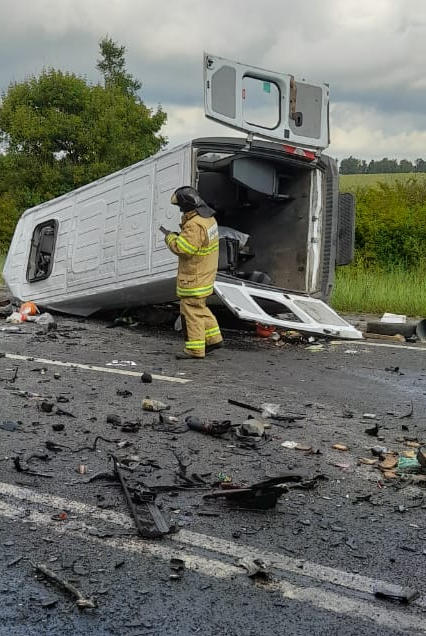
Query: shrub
point(391, 224)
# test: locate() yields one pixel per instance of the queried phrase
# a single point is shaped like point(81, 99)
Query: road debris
point(144, 526)
point(262, 495)
point(255, 568)
point(340, 447)
point(315, 348)
point(93, 446)
point(209, 428)
point(395, 592)
point(146, 378)
point(421, 457)
point(373, 431)
point(177, 566)
point(80, 600)
point(278, 417)
point(390, 461)
point(252, 427)
point(9, 425)
point(21, 468)
point(408, 465)
point(154, 405)
point(378, 336)
point(115, 420)
point(289, 444)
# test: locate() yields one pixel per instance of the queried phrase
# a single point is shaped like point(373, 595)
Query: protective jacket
point(197, 246)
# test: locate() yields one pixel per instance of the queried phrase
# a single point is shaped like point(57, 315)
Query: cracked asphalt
point(325, 548)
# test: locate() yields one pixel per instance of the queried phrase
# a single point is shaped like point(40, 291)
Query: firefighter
point(197, 247)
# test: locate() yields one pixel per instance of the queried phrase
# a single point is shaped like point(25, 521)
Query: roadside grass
point(353, 181)
point(2, 260)
point(399, 291)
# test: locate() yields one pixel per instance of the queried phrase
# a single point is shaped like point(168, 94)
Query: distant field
point(351, 181)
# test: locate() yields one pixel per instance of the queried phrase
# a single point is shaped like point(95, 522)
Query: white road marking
point(91, 367)
point(211, 566)
point(316, 596)
point(364, 343)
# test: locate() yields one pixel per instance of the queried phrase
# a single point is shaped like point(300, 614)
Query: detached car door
point(274, 105)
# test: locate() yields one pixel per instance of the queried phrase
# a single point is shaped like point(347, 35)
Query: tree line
point(352, 165)
point(58, 132)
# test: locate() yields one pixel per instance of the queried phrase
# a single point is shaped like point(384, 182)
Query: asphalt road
point(326, 549)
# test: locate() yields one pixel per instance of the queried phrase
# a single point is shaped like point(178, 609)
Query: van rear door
point(290, 311)
point(272, 105)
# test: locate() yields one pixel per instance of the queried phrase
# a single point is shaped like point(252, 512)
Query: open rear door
point(302, 313)
point(271, 105)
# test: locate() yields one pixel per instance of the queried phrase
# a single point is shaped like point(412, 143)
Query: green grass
point(2, 260)
point(353, 181)
point(373, 291)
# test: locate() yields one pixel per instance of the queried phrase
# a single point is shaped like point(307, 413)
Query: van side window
point(40, 262)
point(261, 102)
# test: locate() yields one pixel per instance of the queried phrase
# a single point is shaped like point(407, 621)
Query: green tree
point(351, 165)
point(112, 65)
point(60, 132)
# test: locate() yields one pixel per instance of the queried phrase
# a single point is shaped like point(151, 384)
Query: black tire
point(392, 328)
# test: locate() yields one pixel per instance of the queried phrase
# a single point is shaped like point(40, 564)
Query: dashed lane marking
point(365, 343)
point(91, 367)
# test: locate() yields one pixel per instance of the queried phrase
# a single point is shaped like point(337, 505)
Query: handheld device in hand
point(163, 229)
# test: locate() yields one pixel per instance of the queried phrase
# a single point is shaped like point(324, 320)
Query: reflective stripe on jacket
point(197, 247)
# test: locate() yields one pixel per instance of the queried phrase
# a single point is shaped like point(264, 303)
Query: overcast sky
point(371, 52)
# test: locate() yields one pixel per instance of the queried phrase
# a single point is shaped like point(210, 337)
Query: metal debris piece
point(143, 527)
point(262, 495)
point(278, 418)
point(395, 592)
point(80, 600)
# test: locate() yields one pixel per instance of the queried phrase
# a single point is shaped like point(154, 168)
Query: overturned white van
point(283, 224)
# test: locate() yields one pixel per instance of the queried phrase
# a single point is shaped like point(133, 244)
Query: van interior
point(262, 209)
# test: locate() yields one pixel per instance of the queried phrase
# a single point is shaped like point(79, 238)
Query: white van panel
point(107, 236)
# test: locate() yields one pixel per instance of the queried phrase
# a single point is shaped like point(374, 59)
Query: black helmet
point(188, 199)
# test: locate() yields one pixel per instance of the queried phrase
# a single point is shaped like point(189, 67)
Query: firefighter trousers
point(200, 327)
